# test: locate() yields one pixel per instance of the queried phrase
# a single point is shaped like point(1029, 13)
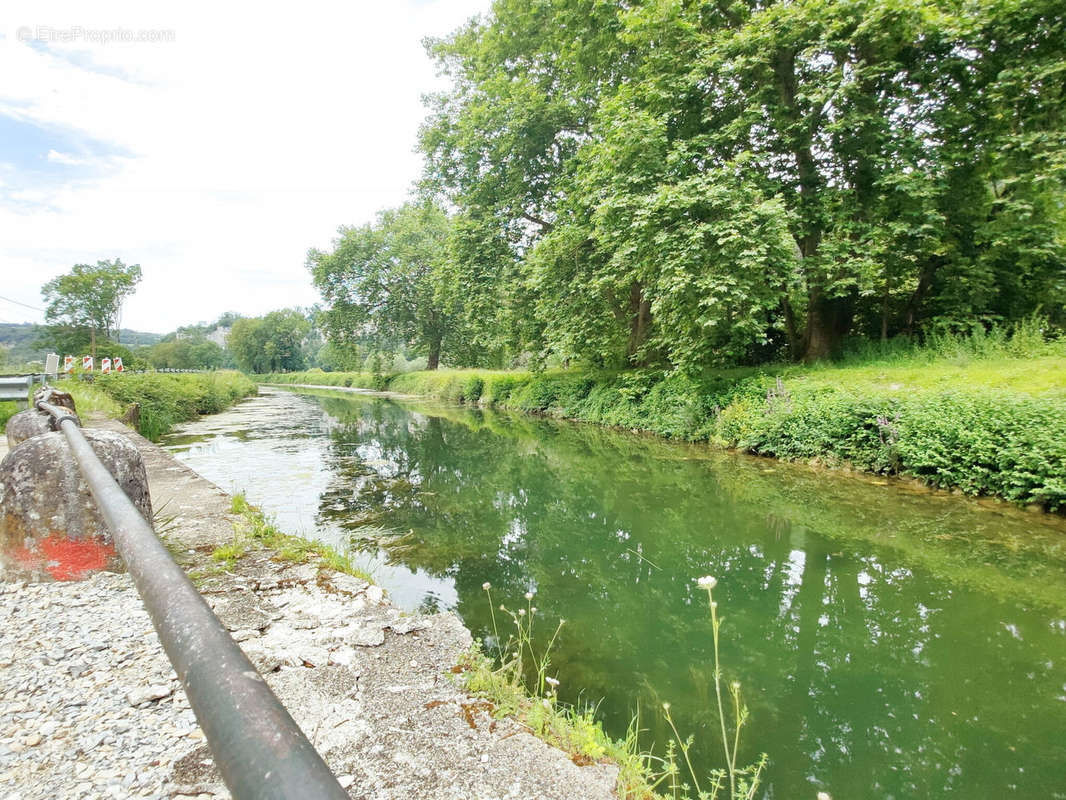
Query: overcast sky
point(214, 157)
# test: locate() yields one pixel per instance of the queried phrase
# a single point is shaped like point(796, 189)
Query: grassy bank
point(980, 417)
point(7, 411)
point(165, 399)
point(255, 529)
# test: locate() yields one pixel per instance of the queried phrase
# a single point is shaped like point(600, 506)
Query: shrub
point(167, 399)
point(1007, 443)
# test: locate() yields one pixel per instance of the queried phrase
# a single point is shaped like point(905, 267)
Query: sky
point(211, 144)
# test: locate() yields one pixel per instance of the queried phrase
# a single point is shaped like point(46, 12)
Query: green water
point(891, 642)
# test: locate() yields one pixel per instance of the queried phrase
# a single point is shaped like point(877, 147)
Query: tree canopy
point(701, 183)
point(389, 283)
point(89, 298)
point(692, 184)
point(271, 343)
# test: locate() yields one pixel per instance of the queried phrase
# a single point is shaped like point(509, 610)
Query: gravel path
point(75, 720)
point(89, 706)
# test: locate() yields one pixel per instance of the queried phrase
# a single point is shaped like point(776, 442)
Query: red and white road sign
point(105, 365)
point(117, 364)
point(87, 363)
point(68, 364)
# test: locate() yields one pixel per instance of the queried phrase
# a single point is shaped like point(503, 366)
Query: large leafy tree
point(272, 343)
point(89, 298)
point(700, 182)
point(390, 283)
point(526, 84)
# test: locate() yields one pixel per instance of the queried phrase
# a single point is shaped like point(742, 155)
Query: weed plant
point(254, 528)
point(514, 675)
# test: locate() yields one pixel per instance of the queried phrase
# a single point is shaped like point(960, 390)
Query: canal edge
point(194, 517)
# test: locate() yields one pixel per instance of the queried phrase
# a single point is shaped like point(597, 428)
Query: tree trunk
point(828, 321)
point(92, 342)
point(433, 360)
point(925, 281)
point(639, 324)
point(795, 341)
point(884, 314)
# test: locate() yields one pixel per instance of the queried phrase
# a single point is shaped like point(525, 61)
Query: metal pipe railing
point(259, 749)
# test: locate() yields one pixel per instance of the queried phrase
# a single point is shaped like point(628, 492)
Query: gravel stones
point(67, 728)
point(50, 527)
point(146, 694)
point(90, 707)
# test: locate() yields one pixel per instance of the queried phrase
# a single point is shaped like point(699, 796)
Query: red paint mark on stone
point(65, 559)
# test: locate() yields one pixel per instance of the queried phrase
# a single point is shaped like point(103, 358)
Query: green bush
point(7, 411)
point(169, 398)
point(980, 440)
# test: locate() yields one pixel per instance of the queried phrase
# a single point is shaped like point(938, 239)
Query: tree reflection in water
point(891, 642)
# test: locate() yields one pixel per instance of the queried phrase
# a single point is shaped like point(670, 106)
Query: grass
point(984, 414)
point(254, 528)
point(90, 398)
point(515, 681)
point(165, 399)
point(7, 411)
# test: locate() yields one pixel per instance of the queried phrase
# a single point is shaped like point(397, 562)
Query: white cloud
point(65, 158)
point(228, 152)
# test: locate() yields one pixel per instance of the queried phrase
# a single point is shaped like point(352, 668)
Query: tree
point(272, 343)
point(389, 283)
point(187, 353)
point(90, 298)
point(692, 183)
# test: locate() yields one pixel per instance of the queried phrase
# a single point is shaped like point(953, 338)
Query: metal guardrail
point(17, 387)
point(259, 749)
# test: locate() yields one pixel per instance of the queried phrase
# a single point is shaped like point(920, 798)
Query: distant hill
point(138, 338)
point(17, 339)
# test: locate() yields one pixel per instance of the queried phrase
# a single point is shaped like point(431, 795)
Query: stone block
point(50, 527)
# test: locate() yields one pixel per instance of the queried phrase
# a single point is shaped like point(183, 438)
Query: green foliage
point(167, 399)
point(387, 282)
point(253, 527)
point(187, 353)
point(272, 343)
point(981, 441)
point(7, 411)
point(90, 399)
point(89, 298)
point(691, 185)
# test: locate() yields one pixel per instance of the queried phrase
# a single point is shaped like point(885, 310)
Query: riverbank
point(91, 708)
point(993, 425)
point(162, 400)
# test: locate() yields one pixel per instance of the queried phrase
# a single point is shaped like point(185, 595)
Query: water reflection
point(892, 643)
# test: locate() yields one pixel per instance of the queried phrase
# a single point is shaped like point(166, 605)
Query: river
point(891, 642)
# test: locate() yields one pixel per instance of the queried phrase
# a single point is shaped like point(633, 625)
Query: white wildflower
point(707, 582)
point(486, 586)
